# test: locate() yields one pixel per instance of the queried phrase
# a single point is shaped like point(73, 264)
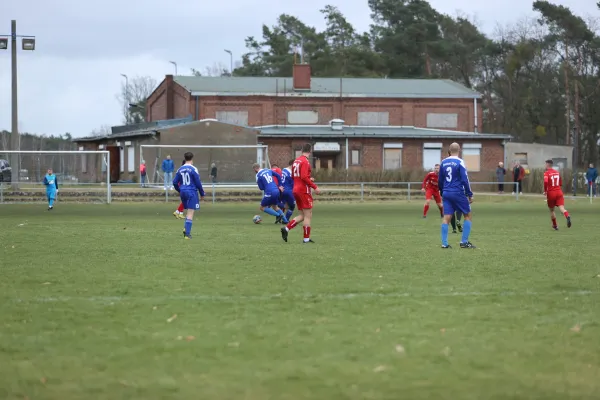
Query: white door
point(431, 157)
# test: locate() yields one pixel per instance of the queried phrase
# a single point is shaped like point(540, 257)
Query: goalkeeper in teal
point(51, 188)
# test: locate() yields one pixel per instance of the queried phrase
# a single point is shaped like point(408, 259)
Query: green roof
point(326, 87)
point(405, 132)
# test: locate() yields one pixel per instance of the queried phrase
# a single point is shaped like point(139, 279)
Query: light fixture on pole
point(230, 61)
point(28, 44)
point(126, 99)
point(175, 64)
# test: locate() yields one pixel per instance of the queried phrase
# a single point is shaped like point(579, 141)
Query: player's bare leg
point(292, 224)
point(566, 215)
point(426, 207)
point(441, 208)
point(464, 243)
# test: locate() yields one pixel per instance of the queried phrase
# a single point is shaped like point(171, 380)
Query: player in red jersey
point(303, 183)
point(554, 194)
point(431, 189)
point(275, 167)
point(179, 212)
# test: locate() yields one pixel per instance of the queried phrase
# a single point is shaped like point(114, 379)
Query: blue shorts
point(270, 199)
point(190, 200)
point(455, 202)
point(287, 197)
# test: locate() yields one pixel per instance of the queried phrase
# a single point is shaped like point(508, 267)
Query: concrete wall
point(537, 154)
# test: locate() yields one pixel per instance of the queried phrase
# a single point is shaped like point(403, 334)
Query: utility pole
point(126, 100)
point(230, 62)
point(28, 43)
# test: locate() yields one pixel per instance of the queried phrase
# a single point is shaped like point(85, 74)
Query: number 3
point(449, 174)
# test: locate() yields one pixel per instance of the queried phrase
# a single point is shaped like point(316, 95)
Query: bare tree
point(133, 96)
point(217, 69)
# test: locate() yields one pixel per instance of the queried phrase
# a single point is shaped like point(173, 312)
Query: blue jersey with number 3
point(453, 177)
point(187, 179)
point(265, 181)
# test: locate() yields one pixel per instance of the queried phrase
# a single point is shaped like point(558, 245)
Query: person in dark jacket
point(213, 172)
point(500, 172)
point(168, 167)
point(591, 175)
point(518, 175)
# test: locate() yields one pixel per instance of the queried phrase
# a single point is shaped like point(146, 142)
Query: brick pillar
point(170, 96)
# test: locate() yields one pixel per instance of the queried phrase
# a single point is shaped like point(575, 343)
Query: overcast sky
point(69, 83)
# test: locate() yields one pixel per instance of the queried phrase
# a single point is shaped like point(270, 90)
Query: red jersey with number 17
point(301, 174)
point(552, 182)
point(431, 182)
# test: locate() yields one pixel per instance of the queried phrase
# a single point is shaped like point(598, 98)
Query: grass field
point(109, 302)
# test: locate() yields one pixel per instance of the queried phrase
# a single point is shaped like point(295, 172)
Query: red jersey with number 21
point(301, 174)
point(552, 182)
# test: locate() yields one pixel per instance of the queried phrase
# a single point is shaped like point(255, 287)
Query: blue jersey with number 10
point(265, 181)
point(453, 177)
point(187, 179)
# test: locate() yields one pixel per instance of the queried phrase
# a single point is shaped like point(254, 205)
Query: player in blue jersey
point(51, 188)
point(287, 196)
point(456, 195)
point(266, 182)
point(187, 183)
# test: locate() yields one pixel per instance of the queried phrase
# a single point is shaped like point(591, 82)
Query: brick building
point(383, 147)
point(304, 100)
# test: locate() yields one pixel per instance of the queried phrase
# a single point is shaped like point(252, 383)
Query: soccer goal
point(233, 163)
point(83, 176)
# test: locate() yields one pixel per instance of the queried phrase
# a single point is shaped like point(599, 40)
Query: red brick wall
point(492, 151)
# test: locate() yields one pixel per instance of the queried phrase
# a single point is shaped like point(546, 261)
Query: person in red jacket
point(431, 189)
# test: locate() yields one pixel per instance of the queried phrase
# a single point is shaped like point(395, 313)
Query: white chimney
point(337, 124)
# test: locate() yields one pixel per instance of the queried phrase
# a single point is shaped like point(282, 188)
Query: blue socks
point(272, 212)
point(283, 217)
point(288, 214)
point(445, 235)
point(466, 231)
point(188, 226)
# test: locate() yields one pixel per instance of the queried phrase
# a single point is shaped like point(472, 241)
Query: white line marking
point(301, 296)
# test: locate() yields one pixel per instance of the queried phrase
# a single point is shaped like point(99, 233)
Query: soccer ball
point(257, 219)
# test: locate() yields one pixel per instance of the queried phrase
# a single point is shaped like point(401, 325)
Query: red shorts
point(555, 199)
point(304, 201)
point(435, 194)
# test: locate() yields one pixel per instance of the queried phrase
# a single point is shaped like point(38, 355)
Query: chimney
point(302, 77)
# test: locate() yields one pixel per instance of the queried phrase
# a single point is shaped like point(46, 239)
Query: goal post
point(83, 176)
point(233, 162)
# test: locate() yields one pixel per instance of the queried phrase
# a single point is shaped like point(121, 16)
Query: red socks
point(307, 232)
point(291, 225)
point(566, 214)
point(554, 222)
point(180, 208)
point(425, 209)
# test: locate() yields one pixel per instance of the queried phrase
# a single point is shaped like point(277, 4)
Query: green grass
point(86, 292)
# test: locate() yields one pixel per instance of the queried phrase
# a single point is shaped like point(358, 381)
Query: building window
point(521, 158)
point(392, 156)
point(121, 159)
point(131, 159)
point(446, 121)
point(303, 117)
point(83, 161)
point(432, 154)
point(373, 118)
point(355, 157)
point(233, 117)
point(471, 154)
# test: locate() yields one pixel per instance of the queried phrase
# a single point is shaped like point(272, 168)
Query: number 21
point(296, 170)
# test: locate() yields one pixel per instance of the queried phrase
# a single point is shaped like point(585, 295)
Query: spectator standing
point(213, 172)
point(143, 173)
point(500, 172)
point(518, 175)
point(591, 175)
point(168, 167)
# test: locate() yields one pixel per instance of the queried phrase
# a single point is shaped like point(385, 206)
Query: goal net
point(233, 163)
point(82, 176)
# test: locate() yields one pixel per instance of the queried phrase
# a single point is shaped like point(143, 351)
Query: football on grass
point(257, 219)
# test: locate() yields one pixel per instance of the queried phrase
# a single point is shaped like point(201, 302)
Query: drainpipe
point(475, 115)
point(347, 152)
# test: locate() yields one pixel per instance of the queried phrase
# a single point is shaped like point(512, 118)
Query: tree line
point(539, 77)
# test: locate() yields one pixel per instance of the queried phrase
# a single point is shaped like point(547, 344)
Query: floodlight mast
point(28, 44)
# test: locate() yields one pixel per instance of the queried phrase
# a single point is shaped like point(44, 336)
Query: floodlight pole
point(15, 140)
